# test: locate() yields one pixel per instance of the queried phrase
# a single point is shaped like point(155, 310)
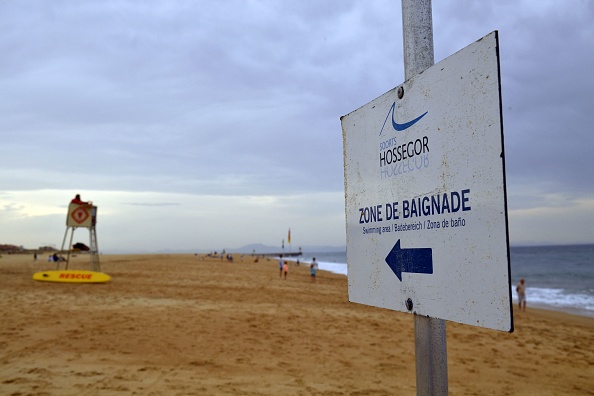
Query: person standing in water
point(521, 290)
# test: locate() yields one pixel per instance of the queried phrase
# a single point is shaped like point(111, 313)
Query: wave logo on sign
point(400, 156)
point(400, 127)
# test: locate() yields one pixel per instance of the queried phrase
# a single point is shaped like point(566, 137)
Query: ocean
point(557, 277)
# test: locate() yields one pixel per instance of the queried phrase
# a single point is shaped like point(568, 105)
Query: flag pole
point(289, 240)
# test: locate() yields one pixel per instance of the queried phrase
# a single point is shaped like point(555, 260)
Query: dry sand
point(182, 325)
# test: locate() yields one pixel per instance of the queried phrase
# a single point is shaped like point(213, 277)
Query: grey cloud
point(237, 97)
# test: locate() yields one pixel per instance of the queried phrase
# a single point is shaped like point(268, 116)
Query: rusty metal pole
point(430, 334)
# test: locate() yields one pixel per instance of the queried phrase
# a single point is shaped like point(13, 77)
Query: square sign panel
point(426, 209)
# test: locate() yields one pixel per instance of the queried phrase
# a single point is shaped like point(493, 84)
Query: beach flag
point(289, 237)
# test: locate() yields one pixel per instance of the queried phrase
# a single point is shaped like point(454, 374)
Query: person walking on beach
point(280, 266)
point(285, 269)
point(521, 289)
point(313, 268)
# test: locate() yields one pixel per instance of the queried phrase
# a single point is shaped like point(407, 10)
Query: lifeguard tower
point(82, 215)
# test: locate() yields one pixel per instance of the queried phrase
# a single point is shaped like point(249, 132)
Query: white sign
point(426, 207)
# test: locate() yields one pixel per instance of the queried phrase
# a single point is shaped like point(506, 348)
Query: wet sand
point(186, 325)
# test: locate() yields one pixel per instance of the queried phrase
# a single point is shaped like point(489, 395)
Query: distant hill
point(13, 249)
point(261, 248)
point(258, 248)
point(10, 248)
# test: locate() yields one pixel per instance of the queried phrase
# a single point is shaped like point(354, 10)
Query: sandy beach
point(191, 325)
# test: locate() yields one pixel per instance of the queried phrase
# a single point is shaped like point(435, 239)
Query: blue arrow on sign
point(418, 261)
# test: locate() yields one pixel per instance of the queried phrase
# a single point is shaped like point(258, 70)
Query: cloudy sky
point(216, 124)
